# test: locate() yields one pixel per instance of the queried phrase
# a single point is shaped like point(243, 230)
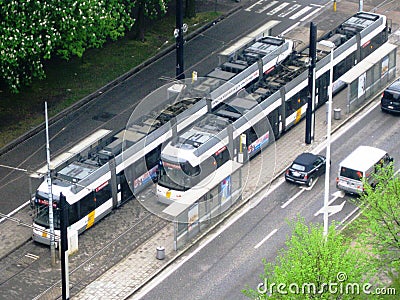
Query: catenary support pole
point(179, 40)
point(50, 192)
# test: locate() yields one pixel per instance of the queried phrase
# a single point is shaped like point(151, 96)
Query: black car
point(390, 101)
point(305, 168)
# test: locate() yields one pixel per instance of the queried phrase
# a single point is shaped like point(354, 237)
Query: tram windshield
point(42, 212)
point(177, 176)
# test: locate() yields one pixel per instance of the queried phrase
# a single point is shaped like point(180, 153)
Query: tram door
point(322, 89)
point(273, 118)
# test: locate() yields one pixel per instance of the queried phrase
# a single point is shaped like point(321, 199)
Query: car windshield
point(298, 167)
point(42, 216)
point(170, 176)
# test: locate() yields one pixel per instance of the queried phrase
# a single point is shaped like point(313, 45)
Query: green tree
point(33, 30)
point(28, 35)
point(150, 9)
point(381, 216)
point(312, 266)
point(88, 24)
point(190, 8)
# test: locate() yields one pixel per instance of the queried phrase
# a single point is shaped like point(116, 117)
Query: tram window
point(295, 102)
point(73, 213)
point(189, 170)
point(222, 158)
point(103, 195)
point(140, 168)
point(343, 66)
point(88, 204)
point(153, 157)
point(251, 136)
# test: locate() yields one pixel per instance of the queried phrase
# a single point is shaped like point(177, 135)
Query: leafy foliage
point(381, 216)
point(313, 266)
point(32, 30)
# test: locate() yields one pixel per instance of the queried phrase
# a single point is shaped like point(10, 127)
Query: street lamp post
point(328, 146)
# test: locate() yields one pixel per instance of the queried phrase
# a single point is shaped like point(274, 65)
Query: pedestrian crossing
point(284, 9)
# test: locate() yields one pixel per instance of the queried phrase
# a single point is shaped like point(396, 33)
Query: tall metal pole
point(51, 218)
point(310, 114)
point(64, 247)
point(179, 40)
point(328, 147)
point(360, 5)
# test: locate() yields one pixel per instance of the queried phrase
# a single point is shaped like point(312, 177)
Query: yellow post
point(334, 5)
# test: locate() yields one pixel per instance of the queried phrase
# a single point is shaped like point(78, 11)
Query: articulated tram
point(282, 97)
point(105, 169)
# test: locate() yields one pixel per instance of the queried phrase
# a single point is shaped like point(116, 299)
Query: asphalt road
point(231, 259)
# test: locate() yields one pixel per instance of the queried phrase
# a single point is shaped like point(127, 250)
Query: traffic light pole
point(310, 112)
point(64, 247)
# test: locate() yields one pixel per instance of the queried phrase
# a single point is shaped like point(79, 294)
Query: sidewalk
point(142, 265)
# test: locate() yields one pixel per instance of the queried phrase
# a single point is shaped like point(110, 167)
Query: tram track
point(99, 250)
point(18, 261)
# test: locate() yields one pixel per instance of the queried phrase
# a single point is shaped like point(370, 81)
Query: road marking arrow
point(332, 209)
point(336, 195)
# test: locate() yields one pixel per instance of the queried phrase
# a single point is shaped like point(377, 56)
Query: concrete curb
point(110, 85)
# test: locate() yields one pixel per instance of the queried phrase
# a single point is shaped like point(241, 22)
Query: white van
point(361, 163)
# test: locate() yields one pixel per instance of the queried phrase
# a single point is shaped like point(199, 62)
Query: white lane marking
point(291, 199)
point(347, 217)
point(300, 13)
point(266, 238)
point(299, 193)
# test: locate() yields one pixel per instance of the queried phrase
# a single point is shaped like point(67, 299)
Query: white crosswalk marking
point(300, 13)
point(250, 8)
point(277, 9)
point(265, 7)
point(289, 10)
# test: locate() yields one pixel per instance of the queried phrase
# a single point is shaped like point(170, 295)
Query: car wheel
point(310, 182)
